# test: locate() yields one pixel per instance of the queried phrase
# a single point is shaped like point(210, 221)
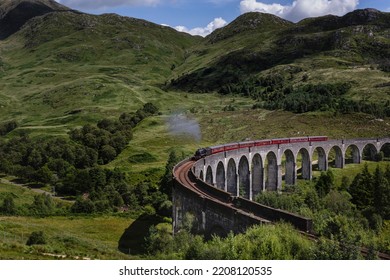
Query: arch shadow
point(132, 240)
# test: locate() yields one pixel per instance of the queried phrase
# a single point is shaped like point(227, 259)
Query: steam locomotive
point(203, 152)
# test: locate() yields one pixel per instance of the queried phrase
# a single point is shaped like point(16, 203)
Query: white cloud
point(300, 9)
point(102, 4)
point(204, 31)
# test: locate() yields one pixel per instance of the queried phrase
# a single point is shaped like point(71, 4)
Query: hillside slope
point(64, 62)
point(15, 13)
point(321, 48)
point(63, 69)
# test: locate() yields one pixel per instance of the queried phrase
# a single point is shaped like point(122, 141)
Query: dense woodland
point(275, 92)
point(73, 168)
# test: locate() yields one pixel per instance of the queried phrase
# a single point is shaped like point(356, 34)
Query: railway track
point(182, 175)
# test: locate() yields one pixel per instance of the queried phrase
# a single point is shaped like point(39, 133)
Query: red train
point(200, 153)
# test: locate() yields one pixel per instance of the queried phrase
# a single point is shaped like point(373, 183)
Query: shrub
point(36, 238)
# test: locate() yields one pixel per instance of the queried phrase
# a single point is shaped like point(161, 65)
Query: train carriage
point(280, 141)
point(259, 143)
point(217, 149)
point(232, 146)
point(248, 144)
point(299, 139)
point(203, 152)
point(318, 138)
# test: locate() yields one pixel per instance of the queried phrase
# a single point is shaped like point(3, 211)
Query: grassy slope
point(73, 237)
point(100, 66)
point(327, 49)
point(68, 238)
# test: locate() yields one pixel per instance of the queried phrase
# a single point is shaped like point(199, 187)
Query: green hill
point(353, 48)
point(15, 13)
point(66, 62)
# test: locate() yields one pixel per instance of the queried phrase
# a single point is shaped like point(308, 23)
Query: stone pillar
point(237, 184)
point(279, 179)
point(291, 172)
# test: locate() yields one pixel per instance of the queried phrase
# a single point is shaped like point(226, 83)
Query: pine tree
point(166, 180)
point(362, 190)
point(381, 193)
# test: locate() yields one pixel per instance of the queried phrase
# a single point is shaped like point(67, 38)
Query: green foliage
point(36, 238)
point(82, 205)
point(371, 194)
point(8, 207)
point(362, 188)
point(330, 249)
point(308, 98)
point(342, 215)
point(384, 65)
point(71, 166)
point(159, 238)
point(166, 180)
point(43, 205)
point(277, 242)
point(7, 127)
point(324, 183)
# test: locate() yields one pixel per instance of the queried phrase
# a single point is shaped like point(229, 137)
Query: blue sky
point(203, 16)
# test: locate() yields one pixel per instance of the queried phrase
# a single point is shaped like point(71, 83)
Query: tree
point(36, 238)
point(43, 205)
point(166, 180)
point(381, 197)
point(118, 142)
point(107, 153)
point(150, 108)
point(83, 206)
point(361, 189)
point(159, 238)
point(35, 159)
point(9, 207)
point(44, 175)
point(324, 183)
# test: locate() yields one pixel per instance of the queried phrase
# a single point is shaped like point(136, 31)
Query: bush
point(7, 127)
point(36, 238)
point(8, 207)
point(85, 206)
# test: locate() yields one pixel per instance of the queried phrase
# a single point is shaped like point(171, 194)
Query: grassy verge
point(67, 237)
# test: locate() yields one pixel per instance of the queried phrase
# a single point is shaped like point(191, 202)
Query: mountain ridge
point(359, 37)
point(15, 13)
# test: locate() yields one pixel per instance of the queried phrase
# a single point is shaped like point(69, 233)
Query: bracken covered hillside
point(320, 47)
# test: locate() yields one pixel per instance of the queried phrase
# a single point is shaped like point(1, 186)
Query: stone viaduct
point(248, 171)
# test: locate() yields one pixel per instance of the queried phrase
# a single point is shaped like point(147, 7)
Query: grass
point(351, 170)
point(20, 195)
point(68, 237)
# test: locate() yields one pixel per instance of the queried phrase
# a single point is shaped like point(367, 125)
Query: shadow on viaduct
point(221, 188)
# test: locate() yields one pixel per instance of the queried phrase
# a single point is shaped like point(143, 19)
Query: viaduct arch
point(248, 171)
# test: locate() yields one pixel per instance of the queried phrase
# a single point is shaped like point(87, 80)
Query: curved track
point(182, 175)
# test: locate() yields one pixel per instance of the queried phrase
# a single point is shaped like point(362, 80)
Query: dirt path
point(25, 186)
